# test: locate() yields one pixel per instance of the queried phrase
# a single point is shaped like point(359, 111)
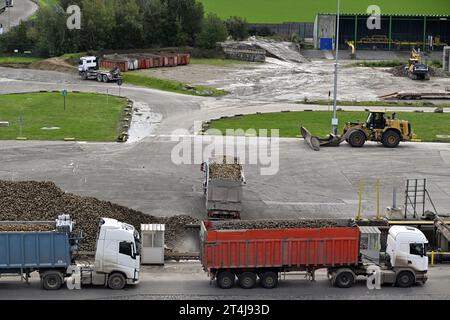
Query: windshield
point(80, 63)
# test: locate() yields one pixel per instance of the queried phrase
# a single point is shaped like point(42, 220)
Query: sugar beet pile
point(39, 201)
point(281, 224)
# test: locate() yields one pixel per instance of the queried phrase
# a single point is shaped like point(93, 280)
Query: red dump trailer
point(265, 253)
point(264, 249)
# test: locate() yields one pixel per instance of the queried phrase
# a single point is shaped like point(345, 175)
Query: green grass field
point(140, 79)
point(17, 61)
point(89, 117)
point(276, 11)
point(425, 125)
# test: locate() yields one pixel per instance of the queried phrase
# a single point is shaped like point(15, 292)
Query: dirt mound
point(401, 71)
point(39, 201)
point(281, 224)
point(54, 64)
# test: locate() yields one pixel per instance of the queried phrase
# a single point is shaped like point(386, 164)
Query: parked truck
point(52, 254)
point(89, 68)
point(248, 254)
point(222, 186)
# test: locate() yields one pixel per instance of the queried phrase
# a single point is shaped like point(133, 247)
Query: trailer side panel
point(280, 248)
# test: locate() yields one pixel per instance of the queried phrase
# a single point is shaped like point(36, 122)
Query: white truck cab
point(407, 247)
point(87, 63)
point(117, 257)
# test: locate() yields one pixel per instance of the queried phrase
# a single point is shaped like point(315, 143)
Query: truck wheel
point(119, 82)
point(51, 280)
point(84, 76)
point(269, 280)
point(116, 281)
point(405, 279)
point(390, 139)
point(225, 280)
point(99, 78)
point(344, 279)
point(105, 78)
point(357, 139)
point(247, 280)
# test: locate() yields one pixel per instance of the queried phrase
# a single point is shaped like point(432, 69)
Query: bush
point(213, 31)
point(237, 28)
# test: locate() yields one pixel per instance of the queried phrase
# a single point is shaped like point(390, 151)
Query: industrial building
point(396, 32)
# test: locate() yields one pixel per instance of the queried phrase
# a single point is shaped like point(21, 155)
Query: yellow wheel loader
point(387, 130)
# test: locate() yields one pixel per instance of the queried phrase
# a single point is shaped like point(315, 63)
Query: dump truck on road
point(251, 250)
point(222, 186)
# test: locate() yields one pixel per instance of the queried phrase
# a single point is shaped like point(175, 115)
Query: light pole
point(334, 121)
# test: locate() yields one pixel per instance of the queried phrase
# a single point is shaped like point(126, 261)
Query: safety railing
point(432, 254)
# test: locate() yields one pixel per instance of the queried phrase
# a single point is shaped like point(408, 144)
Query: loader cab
point(376, 120)
point(407, 248)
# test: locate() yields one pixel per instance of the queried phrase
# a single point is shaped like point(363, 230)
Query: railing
point(434, 253)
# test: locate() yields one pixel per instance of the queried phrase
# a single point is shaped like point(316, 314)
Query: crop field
point(277, 11)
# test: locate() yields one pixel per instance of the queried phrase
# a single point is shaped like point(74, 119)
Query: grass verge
point(426, 125)
point(138, 79)
point(88, 116)
point(419, 104)
point(17, 61)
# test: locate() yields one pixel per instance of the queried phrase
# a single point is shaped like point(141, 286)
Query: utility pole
point(334, 121)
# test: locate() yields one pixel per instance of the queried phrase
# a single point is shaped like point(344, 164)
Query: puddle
point(143, 123)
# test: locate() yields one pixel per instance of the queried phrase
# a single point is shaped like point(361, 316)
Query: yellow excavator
point(416, 69)
point(378, 127)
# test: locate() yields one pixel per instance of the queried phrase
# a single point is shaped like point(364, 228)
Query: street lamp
point(334, 121)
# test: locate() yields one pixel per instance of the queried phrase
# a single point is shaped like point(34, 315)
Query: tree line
point(122, 24)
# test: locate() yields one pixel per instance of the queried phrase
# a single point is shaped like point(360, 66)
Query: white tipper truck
point(53, 254)
point(89, 68)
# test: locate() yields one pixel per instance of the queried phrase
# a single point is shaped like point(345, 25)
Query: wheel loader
point(378, 127)
point(416, 69)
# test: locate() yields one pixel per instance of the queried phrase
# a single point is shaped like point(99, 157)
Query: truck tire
point(116, 281)
point(105, 78)
point(84, 76)
point(269, 279)
point(51, 280)
point(344, 279)
point(225, 280)
point(390, 139)
point(357, 139)
point(247, 280)
point(119, 82)
point(99, 78)
point(405, 279)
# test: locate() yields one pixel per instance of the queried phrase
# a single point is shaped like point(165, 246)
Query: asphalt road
point(21, 11)
point(188, 281)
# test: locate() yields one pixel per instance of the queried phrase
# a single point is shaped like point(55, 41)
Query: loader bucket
point(315, 143)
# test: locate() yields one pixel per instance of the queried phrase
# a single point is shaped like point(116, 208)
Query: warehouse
point(396, 32)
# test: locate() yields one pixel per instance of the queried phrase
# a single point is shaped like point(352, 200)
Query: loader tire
point(390, 139)
point(357, 139)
